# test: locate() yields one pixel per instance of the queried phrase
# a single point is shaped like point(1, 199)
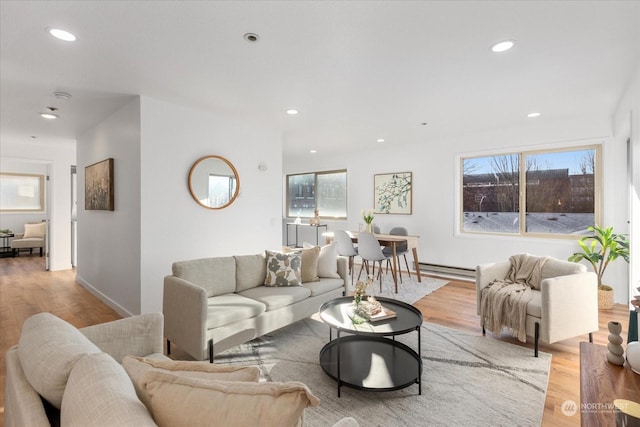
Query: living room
point(154, 137)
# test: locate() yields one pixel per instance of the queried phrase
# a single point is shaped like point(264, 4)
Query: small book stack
point(383, 314)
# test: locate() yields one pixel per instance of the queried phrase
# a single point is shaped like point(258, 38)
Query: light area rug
point(467, 380)
point(409, 291)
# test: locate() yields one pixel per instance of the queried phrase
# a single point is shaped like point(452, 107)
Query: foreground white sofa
point(565, 306)
point(213, 304)
point(59, 375)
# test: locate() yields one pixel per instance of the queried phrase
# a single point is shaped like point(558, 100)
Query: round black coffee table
point(369, 358)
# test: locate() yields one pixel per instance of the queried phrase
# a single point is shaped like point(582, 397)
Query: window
point(559, 192)
point(325, 191)
point(21, 192)
point(221, 189)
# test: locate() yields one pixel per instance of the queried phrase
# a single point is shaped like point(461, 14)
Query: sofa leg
point(537, 336)
point(590, 336)
point(211, 350)
point(168, 347)
point(40, 251)
point(483, 331)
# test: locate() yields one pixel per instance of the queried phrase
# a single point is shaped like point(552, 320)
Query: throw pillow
point(309, 267)
point(99, 393)
point(178, 401)
point(34, 231)
point(49, 348)
point(136, 367)
point(283, 269)
point(328, 260)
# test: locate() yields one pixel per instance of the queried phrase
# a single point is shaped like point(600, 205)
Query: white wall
point(173, 226)
point(108, 261)
point(124, 255)
point(58, 159)
point(433, 164)
point(626, 124)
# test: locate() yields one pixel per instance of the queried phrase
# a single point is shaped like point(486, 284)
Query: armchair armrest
point(569, 305)
point(185, 315)
point(18, 236)
point(138, 335)
point(487, 273)
point(343, 271)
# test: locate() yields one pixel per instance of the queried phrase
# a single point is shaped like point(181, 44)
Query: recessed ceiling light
point(292, 112)
point(313, 151)
point(251, 37)
point(502, 46)
point(534, 114)
point(49, 116)
point(61, 34)
point(380, 140)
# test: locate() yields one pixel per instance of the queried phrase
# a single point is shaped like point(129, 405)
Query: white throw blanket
point(503, 303)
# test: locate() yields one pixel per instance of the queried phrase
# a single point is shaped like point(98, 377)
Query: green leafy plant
point(602, 248)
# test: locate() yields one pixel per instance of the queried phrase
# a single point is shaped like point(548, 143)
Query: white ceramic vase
point(633, 356)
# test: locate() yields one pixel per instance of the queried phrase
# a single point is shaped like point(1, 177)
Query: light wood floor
point(26, 289)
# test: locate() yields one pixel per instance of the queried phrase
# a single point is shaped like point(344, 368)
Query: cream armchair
point(565, 306)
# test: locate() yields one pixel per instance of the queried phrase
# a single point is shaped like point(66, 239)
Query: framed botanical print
point(393, 193)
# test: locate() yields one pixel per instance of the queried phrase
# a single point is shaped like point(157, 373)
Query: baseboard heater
point(447, 269)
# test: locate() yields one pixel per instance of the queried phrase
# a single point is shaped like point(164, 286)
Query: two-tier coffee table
point(369, 357)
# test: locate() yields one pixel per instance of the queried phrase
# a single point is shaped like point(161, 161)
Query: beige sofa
point(213, 304)
point(59, 375)
point(564, 306)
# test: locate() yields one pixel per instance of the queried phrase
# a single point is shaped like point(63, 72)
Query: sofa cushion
point(277, 297)
point(229, 308)
point(100, 393)
point(216, 275)
point(323, 286)
point(534, 307)
point(309, 266)
point(49, 348)
point(282, 269)
point(328, 260)
point(136, 367)
point(250, 271)
point(178, 401)
point(34, 231)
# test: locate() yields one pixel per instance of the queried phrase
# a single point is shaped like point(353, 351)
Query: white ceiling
point(357, 71)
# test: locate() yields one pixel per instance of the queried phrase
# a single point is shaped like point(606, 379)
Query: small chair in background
point(369, 250)
point(401, 249)
point(346, 248)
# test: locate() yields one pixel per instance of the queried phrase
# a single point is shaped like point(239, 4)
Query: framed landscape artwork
point(393, 193)
point(98, 186)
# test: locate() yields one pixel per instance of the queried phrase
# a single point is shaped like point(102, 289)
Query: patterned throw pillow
point(283, 269)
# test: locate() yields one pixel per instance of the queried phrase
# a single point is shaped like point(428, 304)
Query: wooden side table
point(601, 383)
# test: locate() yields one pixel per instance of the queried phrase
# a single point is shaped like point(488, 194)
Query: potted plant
point(600, 249)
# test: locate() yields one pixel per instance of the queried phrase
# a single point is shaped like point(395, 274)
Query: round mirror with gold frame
point(214, 182)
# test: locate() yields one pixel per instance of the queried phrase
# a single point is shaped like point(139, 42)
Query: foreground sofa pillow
point(49, 348)
point(136, 367)
point(178, 401)
point(309, 267)
point(327, 260)
point(99, 393)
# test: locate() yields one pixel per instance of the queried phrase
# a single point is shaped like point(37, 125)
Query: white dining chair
point(346, 248)
point(401, 249)
point(370, 251)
